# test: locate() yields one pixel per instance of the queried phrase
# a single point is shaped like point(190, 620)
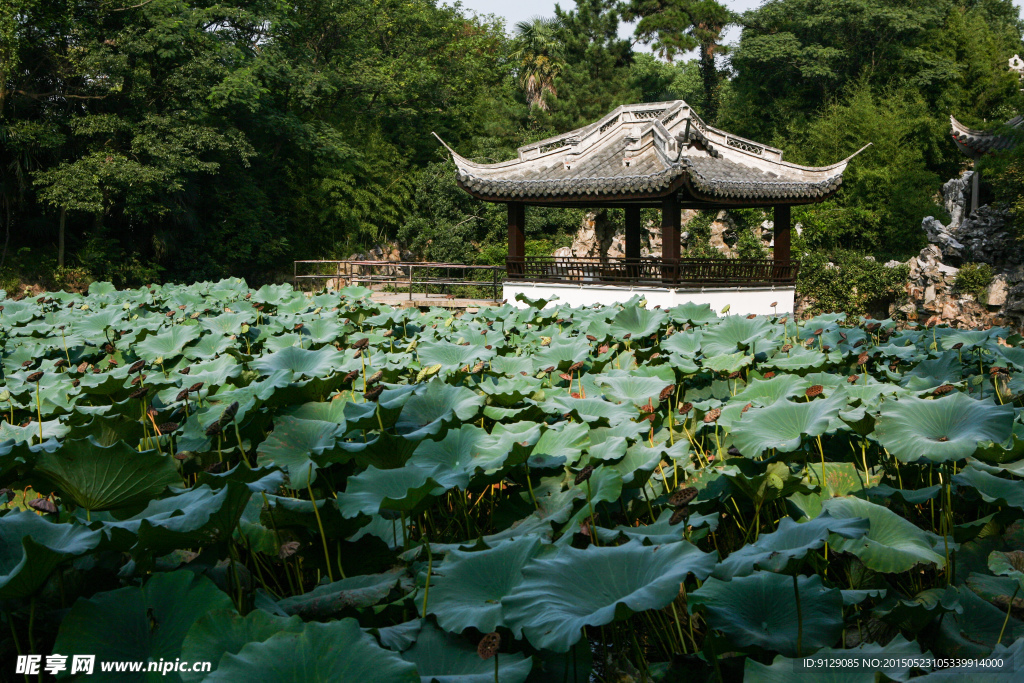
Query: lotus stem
point(799, 619)
point(1008, 608)
point(426, 589)
point(529, 486)
point(679, 627)
point(593, 517)
point(39, 413)
point(319, 524)
point(241, 448)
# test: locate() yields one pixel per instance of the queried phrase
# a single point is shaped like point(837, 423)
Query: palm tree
point(539, 52)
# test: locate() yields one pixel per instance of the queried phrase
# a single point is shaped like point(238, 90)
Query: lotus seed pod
point(488, 646)
point(712, 415)
point(584, 474)
point(814, 391)
point(34, 377)
point(682, 497)
point(42, 505)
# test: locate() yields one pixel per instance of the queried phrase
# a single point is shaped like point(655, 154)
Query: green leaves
point(760, 610)
point(150, 622)
point(469, 586)
point(783, 424)
point(103, 478)
point(574, 588)
point(31, 548)
point(336, 651)
point(892, 544)
point(942, 429)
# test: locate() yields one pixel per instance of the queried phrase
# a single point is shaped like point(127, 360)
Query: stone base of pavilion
point(741, 300)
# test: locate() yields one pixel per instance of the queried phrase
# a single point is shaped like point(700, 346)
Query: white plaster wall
point(741, 300)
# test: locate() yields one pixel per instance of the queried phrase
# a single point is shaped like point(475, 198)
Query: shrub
point(974, 279)
point(846, 281)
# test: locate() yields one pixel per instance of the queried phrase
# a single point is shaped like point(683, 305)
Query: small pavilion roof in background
point(978, 142)
point(649, 152)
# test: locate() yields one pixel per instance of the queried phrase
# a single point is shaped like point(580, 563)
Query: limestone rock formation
point(982, 236)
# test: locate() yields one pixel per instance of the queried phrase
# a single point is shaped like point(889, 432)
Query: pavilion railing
point(420, 280)
point(693, 272)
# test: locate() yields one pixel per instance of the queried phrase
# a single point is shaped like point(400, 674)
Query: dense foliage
point(172, 140)
point(282, 484)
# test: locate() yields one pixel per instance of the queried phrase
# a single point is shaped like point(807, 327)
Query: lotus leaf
point(562, 593)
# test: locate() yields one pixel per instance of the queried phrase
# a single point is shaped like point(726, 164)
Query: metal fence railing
point(418, 279)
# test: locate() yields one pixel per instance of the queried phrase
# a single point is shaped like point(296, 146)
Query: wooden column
point(782, 256)
point(671, 227)
point(516, 239)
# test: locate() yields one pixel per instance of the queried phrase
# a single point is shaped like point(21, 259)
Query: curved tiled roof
point(978, 142)
point(649, 150)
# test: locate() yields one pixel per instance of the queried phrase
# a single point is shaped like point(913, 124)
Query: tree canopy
point(188, 139)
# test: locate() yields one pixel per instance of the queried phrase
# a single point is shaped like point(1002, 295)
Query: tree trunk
point(7, 229)
point(60, 237)
point(709, 77)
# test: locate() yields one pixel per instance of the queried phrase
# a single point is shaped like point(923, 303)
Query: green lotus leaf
point(195, 518)
point(796, 360)
point(784, 669)
point(401, 488)
point(31, 547)
point(506, 444)
point(566, 440)
point(442, 658)
point(685, 344)
point(168, 344)
point(762, 392)
point(561, 353)
point(991, 488)
point(451, 461)
point(731, 362)
point(335, 651)
point(150, 622)
point(301, 362)
point(224, 630)
point(636, 321)
point(512, 365)
point(760, 611)
point(974, 631)
point(941, 430)
point(661, 531)
point(434, 405)
point(792, 540)
point(783, 424)
point(732, 334)
point(295, 444)
point(591, 410)
point(698, 314)
point(571, 589)
point(467, 588)
point(892, 544)
point(838, 479)
point(999, 453)
point(332, 598)
point(632, 388)
point(450, 356)
point(104, 478)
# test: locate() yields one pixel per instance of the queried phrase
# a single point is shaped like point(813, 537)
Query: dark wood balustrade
point(694, 272)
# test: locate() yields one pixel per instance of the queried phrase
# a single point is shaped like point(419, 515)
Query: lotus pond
point(319, 487)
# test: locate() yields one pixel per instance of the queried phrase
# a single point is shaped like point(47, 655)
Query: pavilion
point(978, 143)
point(652, 155)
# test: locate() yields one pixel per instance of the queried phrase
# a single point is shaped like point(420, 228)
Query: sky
point(520, 10)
